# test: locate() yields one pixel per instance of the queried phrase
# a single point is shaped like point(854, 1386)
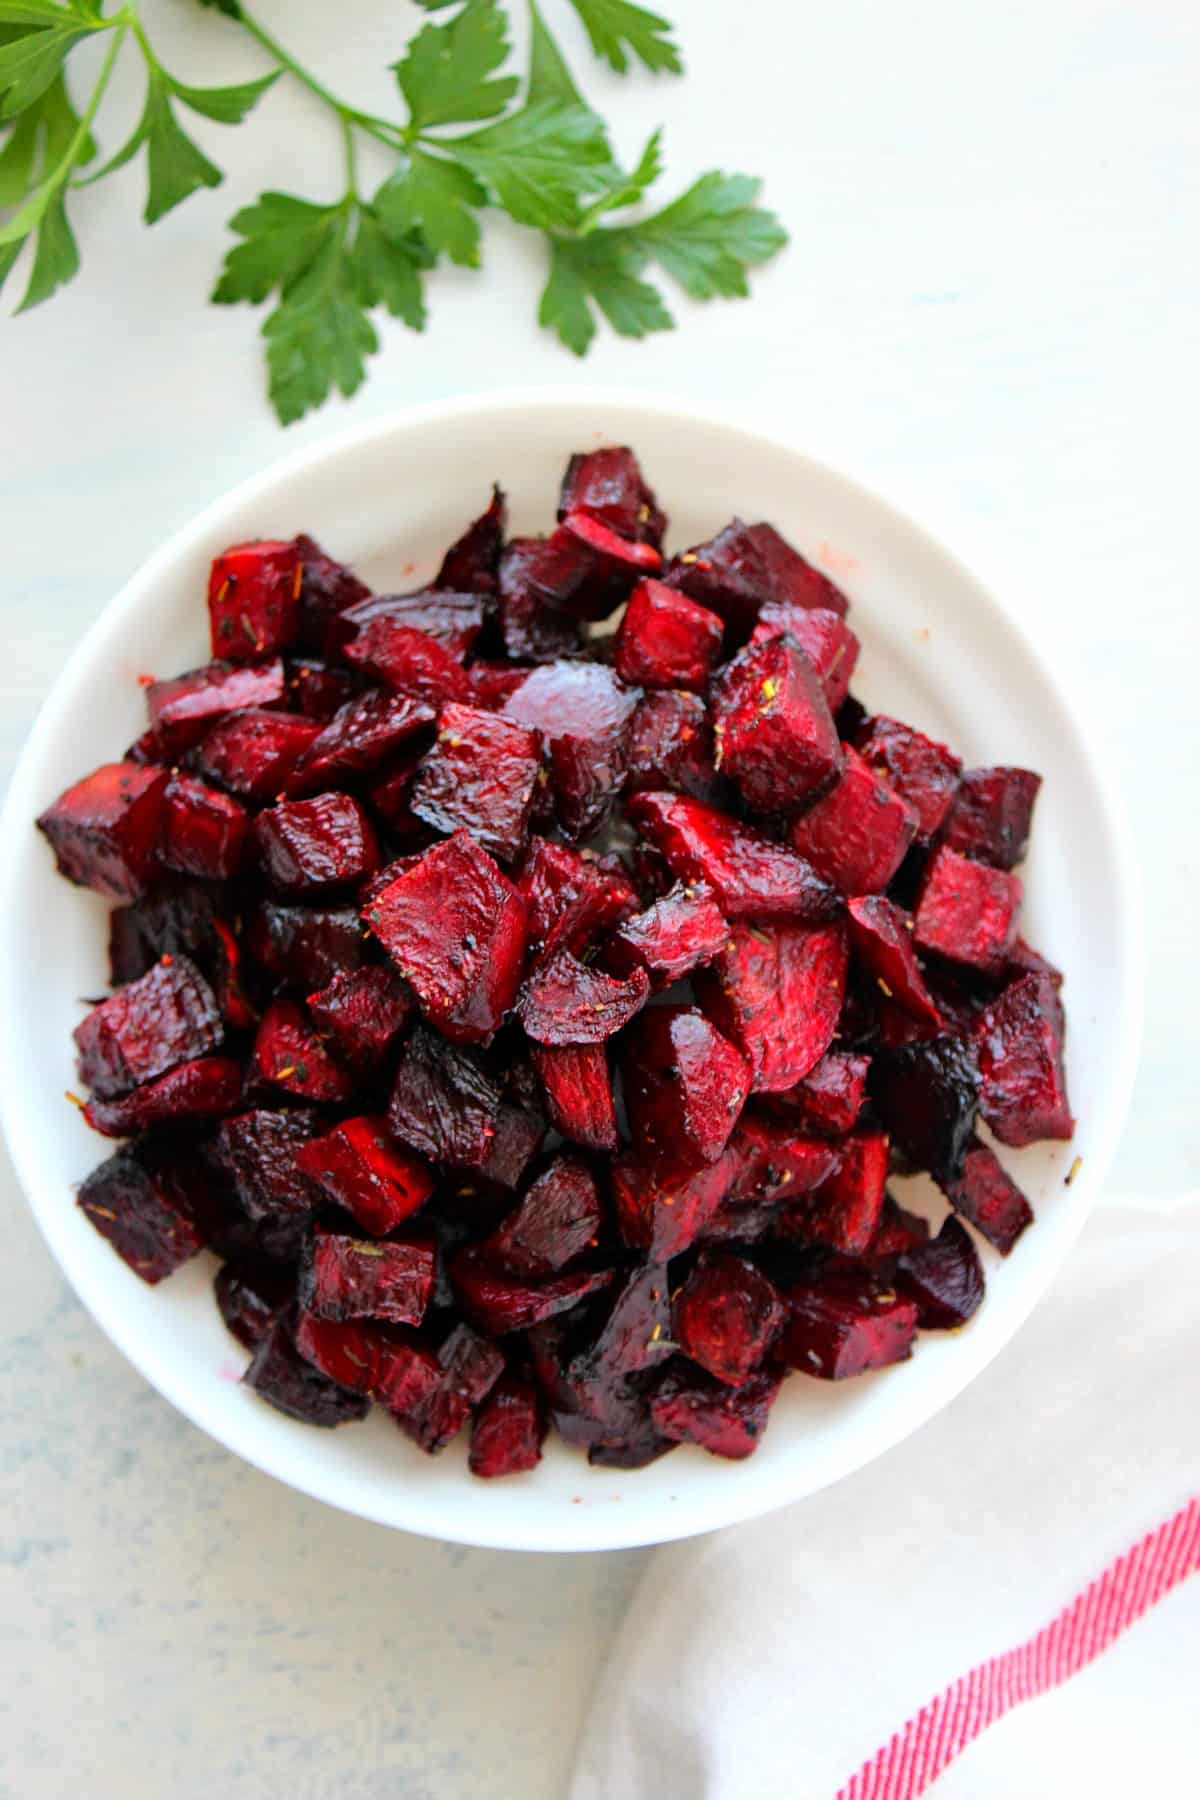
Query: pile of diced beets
point(530, 1018)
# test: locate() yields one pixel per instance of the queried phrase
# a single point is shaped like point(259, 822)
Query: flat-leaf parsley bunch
point(469, 136)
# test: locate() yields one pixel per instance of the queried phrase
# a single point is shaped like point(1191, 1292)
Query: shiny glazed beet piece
point(776, 990)
point(967, 912)
point(856, 835)
point(258, 1153)
point(499, 1303)
point(661, 1213)
point(363, 1011)
point(446, 1101)
point(927, 1096)
point(454, 620)
point(1020, 1047)
point(390, 796)
point(250, 1292)
point(881, 935)
point(923, 772)
point(289, 1055)
point(571, 898)
point(282, 1376)
point(557, 1220)
point(846, 1209)
point(825, 639)
point(455, 928)
point(470, 564)
point(743, 568)
point(148, 1201)
point(577, 1086)
point(844, 1324)
point(616, 555)
point(992, 814)
point(609, 486)
point(665, 640)
point(254, 599)
point(480, 777)
point(203, 831)
point(671, 745)
point(168, 1016)
point(775, 1161)
point(679, 933)
point(830, 1097)
point(468, 1368)
point(726, 1316)
point(751, 877)
point(508, 1430)
point(581, 712)
point(492, 683)
point(327, 589)
point(104, 831)
point(534, 578)
point(345, 1277)
point(254, 753)
point(317, 689)
point(632, 1333)
point(690, 1407)
point(308, 848)
point(359, 737)
point(184, 709)
point(305, 946)
point(685, 1085)
point(944, 1277)
point(989, 1199)
point(407, 660)
point(774, 732)
point(209, 1088)
point(388, 1363)
point(359, 1167)
point(567, 1002)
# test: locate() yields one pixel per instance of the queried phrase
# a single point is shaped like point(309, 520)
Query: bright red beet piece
point(582, 714)
point(776, 990)
point(830, 1097)
point(685, 1085)
point(671, 745)
point(508, 1430)
point(168, 1016)
point(327, 589)
point(361, 735)
point(492, 682)
point(557, 1220)
point(258, 1153)
point(665, 640)
point(662, 1213)
point(774, 1161)
point(846, 1209)
point(364, 1011)
point(104, 831)
point(344, 1277)
point(845, 1324)
point(610, 546)
point(927, 1096)
point(254, 599)
point(255, 753)
point(944, 1277)
point(608, 485)
point(897, 1230)
point(454, 620)
point(774, 732)
point(567, 1002)
point(726, 1316)
point(857, 834)
point(1020, 1049)
point(390, 796)
point(571, 898)
point(500, 1303)
point(690, 1407)
point(992, 814)
point(445, 1102)
point(469, 1366)
point(535, 579)
point(407, 660)
point(881, 936)
point(455, 928)
point(387, 1362)
point(250, 1292)
point(480, 777)
point(184, 709)
point(744, 568)
point(312, 847)
point(288, 1054)
point(988, 1198)
point(203, 831)
point(578, 1090)
point(751, 877)
point(147, 1200)
point(923, 772)
point(824, 637)
point(967, 912)
point(679, 933)
point(362, 1169)
point(304, 945)
point(282, 1376)
point(470, 564)
point(208, 1088)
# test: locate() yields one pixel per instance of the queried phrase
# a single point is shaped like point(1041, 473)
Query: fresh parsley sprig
point(469, 135)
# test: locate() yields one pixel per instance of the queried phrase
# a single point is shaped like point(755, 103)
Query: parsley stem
point(120, 25)
point(382, 129)
point(351, 161)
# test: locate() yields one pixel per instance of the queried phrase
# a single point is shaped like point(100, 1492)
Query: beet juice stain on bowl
point(494, 1127)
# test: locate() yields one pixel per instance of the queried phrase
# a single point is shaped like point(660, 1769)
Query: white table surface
point(988, 312)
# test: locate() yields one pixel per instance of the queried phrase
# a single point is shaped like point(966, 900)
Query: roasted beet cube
point(751, 877)
point(927, 1096)
point(104, 831)
point(1023, 959)
point(944, 1277)
point(824, 637)
point(454, 620)
point(209, 1088)
point(608, 485)
point(360, 736)
point(147, 1200)
point(776, 990)
point(305, 946)
point(254, 599)
point(455, 928)
point(445, 1101)
point(532, 578)
point(168, 1016)
point(518, 1137)
point(923, 772)
point(345, 1277)
point(387, 1362)
point(775, 1161)
point(499, 1303)
point(578, 1090)
point(830, 1098)
point(991, 815)
point(312, 847)
point(470, 564)
point(581, 712)
point(661, 1213)
point(897, 1230)
point(556, 1221)
point(469, 1367)
point(250, 1292)
point(690, 1407)
point(177, 918)
point(286, 1379)
point(327, 589)
point(572, 899)
point(1020, 1047)
point(254, 753)
point(679, 933)
point(184, 709)
point(842, 1325)
point(508, 1430)
point(857, 834)
point(726, 1316)
point(491, 683)
point(258, 1153)
point(364, 1011)
point(967, 912)
point(670, 744)
point(632, 1333)
point(360, 1168)
point(564, 1001)
point(317, 689)
point(203, 831)
point(665, 640)
point(846, 1209)
point(774, 732)
point(408, 660)
point(617, 554)
point(390, 796)
point(747, 566)
point(288, 1054)
point(685, 1085)
point(480, 777)
point(989, 1199)
point(881, 936)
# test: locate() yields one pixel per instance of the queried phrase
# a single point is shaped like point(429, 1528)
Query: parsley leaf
point(615, 25)
point(538, 162)
point(282, 237)
point(444, 73)
point(440, 200)
point(30, 63)
point(708, 237)
point(318, 337)
point(56, 258)
point(175, 164)
point(604, 269)
point(227, 105)
point(628, 189)
point(387, 270)
point(549, 76)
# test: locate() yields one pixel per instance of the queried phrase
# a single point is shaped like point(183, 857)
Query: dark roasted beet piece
point(408, 660)
point(445, 1101)
point(104, 830)
point(772, 1160)
point(662, 1213)
point(455, 620)
point(846, 1209)
point(166, 1017)
point(257, 1152)
point(774, 733)
point(493, 682)
point(988, 1198)
point(312, 847)
point(572, 898)
point(830, 1097)
point(203, 832)
point(1023, 959)
point(361, 735)
point(480, 777)
point(254, 599)
point(670, 745)
point(209, 1088)
point(578, 1090)
point(824, 637)
point(557, 1220)
point(897, 1230)
point(690, 1407)
point(609, 486)
point(531, 575)
point(390, 796)
point(927, 1096)
point(746, 566)
point(679, 933)
point(361, 1169)
point(184, 709)
point(726, 1316)
point(842, 1324)
point(455, 928)
point(967, 912)
point(250, 1292)
point(282, 1376)
point(304, 945)
point(665, 640)
point(508, 1429)
point(685, 1085)
point(944, 1277)
point(345, 1277)
point(616, 555)
point(499, 1303)
point(148, 1201)
point(633, 1333)
point(387, 1362)
point(991, 815)
point(254, 753)
point(518, 1138)
point(881, 937)
point(856, 835)
point(750, 876)
point(288, 1054)
point(469, 1367)
point(327, 588)
point(923, 772)
point(1020, 1047)
point(470, 564)
point(318, 689)
point(776, 990)
point(364, 1011)
point(581, 712)
point(566, 1002)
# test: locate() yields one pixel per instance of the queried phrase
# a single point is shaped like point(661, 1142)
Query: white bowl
point(937, 650)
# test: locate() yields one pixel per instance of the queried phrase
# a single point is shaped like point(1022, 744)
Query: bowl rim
point(569, 400)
